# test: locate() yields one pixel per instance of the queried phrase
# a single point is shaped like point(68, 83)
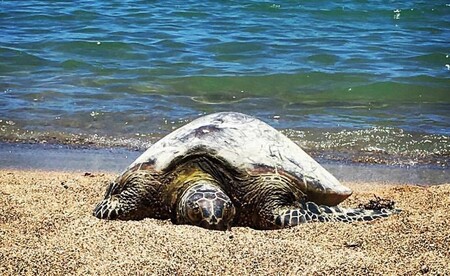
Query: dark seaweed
point(378, 204)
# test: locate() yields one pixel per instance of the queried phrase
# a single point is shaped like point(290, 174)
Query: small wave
point(211, 100)
point(16, 58)
point(380, 145)
point(72, 64)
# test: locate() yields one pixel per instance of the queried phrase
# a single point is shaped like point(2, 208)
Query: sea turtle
point(227, 169)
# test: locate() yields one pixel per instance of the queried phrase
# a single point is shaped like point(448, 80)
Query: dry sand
point(46, 227)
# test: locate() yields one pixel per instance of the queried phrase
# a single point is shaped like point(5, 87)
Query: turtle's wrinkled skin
point(229, 169)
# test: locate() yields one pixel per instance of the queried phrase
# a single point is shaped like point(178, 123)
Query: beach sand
point(46, 227)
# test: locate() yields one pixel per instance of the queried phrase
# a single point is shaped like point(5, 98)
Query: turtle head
point(206, 205)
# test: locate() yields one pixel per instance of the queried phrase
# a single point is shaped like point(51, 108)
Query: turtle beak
point(212, 223)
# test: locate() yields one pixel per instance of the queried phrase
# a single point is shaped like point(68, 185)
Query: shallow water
point(67, 158)
point(352, 81)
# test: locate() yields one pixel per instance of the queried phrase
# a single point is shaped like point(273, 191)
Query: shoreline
point(88, 158)
point(368, 146)
point(46, 227)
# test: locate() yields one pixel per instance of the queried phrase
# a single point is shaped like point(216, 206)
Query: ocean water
point(353, 81)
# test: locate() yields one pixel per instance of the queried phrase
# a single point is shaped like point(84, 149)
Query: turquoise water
point(359, 81)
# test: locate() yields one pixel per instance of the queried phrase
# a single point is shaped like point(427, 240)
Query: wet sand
point(46, 227)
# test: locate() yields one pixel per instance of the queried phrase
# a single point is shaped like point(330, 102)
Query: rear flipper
point(311, 212)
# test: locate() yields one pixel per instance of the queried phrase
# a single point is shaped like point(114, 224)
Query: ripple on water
point(318, 66)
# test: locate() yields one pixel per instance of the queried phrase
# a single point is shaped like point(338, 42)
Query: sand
point(46, 227)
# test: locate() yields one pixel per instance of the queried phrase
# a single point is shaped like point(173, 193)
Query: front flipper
point(112, 206)
point(311, 212)
point(134, 195)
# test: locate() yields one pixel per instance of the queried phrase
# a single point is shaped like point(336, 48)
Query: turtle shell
point(251, 147)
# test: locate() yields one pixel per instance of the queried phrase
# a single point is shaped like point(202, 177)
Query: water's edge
point(91, 159)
